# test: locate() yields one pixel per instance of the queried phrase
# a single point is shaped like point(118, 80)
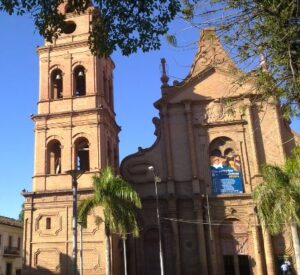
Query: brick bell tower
point(75, 128)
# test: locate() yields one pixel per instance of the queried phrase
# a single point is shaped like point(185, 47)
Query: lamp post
point(157, 180)
point(75, 174)
point(81, 249)
point(125, 256)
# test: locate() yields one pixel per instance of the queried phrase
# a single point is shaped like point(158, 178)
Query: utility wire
point(206, 223)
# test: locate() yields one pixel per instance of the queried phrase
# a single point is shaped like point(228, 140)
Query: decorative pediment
point(213, 74)
point(210, 54)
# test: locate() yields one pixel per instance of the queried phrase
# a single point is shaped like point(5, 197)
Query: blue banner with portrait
point(226, 174)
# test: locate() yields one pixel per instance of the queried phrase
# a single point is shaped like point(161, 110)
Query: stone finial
point(164, 78)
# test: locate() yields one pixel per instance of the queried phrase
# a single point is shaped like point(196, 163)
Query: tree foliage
point(255, 30)
point(277, 199)
point(119, 202)
point(21, 214)
point(127, 24)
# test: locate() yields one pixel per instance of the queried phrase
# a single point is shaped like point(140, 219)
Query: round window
point(70, 27)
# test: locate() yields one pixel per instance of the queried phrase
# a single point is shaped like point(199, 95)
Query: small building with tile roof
point(11, 232)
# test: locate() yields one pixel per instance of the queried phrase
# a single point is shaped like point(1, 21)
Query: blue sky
point(137, 86)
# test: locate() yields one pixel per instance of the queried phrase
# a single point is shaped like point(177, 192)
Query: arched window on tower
point(56, 84)
point(79, 81)
point(54, 157)
point(82, 154)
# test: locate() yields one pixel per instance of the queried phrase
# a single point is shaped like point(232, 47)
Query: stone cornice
point(230, 196)
point(49, 193)
point(165, 101)
point(66, 113)
point(99, 110)
point(67, 46)
point(63, 46)
point(221, 123)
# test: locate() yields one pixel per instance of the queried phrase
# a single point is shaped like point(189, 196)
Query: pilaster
point(168, 150)
point(175, 230)
point(251, 133)
point(201, 235)
point(269, 252)
point(258, 252)
point(192, 148)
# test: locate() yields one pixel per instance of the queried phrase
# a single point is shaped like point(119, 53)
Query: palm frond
point(274, 175)
point(277, 198)
point(118, 188)
point(119, 201)
point(84, 208)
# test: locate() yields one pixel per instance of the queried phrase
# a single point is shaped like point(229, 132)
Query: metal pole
point(209, 220)
point(81, 250)
point(162, 272)
point(74, 224)
point(125, 256)
point(161, 260)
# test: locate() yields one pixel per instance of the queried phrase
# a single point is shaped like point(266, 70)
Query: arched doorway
point(234, 248)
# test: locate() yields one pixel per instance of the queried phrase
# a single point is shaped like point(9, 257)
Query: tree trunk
point(296, 245)
point(107, 251)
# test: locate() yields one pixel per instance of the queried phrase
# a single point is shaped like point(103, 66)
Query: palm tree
point(278, 199)
point(119, 201)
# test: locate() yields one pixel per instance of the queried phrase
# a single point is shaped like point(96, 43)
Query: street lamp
point(81, 248)
point(157, 180)
point(125, 256)
point(75, 174)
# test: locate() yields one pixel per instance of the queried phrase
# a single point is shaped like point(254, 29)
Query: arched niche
point(82, 154)
point(56, 84)
point(79, 81)
point(54, 157)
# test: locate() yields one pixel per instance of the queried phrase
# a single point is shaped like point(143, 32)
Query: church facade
point(212, 137)
point(75, 130)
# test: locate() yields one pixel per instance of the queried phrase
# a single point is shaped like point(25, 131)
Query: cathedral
point(212, 136)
